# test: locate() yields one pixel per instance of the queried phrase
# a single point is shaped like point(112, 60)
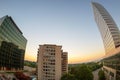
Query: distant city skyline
point(69, 23)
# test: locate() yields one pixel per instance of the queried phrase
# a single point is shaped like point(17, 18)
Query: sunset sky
point(69, 23)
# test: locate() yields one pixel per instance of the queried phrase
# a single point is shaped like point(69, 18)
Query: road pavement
point(95, 74)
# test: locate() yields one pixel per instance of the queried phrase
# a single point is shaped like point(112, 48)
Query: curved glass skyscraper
point(108, 28)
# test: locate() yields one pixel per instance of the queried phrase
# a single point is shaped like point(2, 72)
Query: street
point(95, 74)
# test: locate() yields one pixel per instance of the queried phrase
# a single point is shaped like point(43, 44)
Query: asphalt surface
point(95, 74)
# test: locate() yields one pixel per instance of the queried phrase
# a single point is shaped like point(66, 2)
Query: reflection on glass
point(11, 57)
point(12, 45)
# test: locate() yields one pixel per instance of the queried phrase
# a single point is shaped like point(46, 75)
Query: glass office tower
point(12, 45)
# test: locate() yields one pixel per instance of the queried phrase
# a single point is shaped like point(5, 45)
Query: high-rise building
point(64, 62)
point(111, 39)
point(108, 28)
point(12, 45)
point(50, 60)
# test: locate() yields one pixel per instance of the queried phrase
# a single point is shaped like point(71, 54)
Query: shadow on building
point(11, 57)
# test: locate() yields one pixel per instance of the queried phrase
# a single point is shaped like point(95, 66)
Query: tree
point(30, 64)
point(84, 73)
point(81, 72)
point(68, 76)
point(101, 75)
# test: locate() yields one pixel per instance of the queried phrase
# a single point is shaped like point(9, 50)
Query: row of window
point(11, 34)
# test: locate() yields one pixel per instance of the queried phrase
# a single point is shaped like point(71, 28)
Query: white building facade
point(111, 39)
point(107, 27)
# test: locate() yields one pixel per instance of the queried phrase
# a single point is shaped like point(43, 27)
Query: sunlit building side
point(52, 62)
point(111, 39)
point(12, 45)
point(108, 28)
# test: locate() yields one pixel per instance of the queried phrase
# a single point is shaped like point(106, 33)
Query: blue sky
point(69, 23)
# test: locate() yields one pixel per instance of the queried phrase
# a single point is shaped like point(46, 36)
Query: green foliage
point(101, 75)
point(81, 72)
point(91, 65)
point(30, 64)
point(94, 66)
point(84, 73)
point(68, 76)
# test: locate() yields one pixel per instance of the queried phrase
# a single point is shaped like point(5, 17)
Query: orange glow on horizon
point(86, 58)
point(30, 58)
point(73, 59)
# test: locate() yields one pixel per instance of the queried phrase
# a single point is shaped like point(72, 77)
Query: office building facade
point(107, 27)
point(12, 45)
point(111, 39)
point(50, 60)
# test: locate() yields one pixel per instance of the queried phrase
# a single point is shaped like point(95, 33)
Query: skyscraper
point(64, 62)
point(111, 39)
point(107, 27)
point(50, 62)
point(12, 45)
